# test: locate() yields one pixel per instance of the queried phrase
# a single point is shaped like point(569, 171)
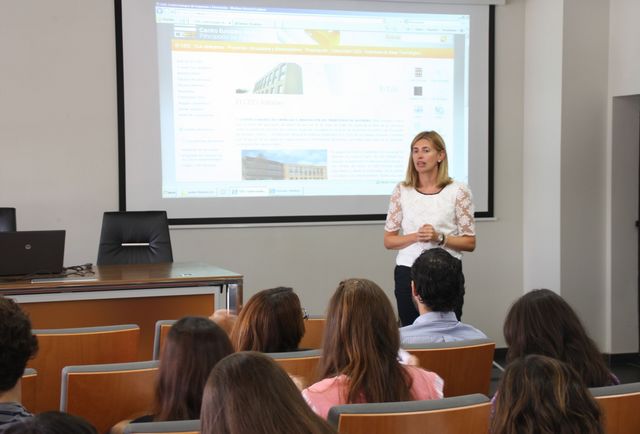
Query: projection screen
point(268, 111)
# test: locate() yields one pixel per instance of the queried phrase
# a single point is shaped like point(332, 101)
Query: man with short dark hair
point(17, 346)
point(437, 283)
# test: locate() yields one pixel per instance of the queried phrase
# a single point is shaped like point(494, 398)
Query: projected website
point(290, 102)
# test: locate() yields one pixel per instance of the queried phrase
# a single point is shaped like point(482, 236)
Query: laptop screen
point(31, 252)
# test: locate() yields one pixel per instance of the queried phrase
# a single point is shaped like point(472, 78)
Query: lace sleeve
point(394, 215)
point(464, 212)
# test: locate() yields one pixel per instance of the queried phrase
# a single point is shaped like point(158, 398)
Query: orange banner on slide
point(352, 51)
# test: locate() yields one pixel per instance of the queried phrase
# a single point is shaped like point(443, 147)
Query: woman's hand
point(427, 233)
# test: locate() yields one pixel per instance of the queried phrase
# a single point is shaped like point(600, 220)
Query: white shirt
point(449, 211)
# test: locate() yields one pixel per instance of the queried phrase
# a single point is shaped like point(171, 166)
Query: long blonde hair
point(411, 178)
point(361, 341)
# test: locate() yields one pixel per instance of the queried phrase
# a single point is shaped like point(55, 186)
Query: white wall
point(59, 166)
point(58, 132)
point(541, 143)
point(583, 186)
point(624, 50)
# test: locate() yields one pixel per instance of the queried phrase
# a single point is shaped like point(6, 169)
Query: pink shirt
point(330, 392)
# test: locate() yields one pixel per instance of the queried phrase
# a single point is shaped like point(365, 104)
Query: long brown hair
point(248, 392)
point(361, 341)
point(542, 395)
point(270, 322)
point(194, 345)
point(542, 322)
point(411, 177)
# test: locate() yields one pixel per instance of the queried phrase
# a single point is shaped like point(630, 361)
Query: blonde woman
point(427, 210)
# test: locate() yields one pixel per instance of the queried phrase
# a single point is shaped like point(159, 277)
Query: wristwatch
point(441, 239)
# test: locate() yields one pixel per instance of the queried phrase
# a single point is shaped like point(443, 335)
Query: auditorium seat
point(134, 237)
point(620, 406)
point(301, 364)
point(171, 427)
point(467, 414)
point(159, 338)
point(108, 393)
point(313, 332)
point(78, 346)
point(28, 388)
point(465, 366)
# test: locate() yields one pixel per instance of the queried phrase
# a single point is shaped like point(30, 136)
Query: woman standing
point(431, 210)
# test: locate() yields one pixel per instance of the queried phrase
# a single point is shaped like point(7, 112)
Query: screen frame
point(122, 179)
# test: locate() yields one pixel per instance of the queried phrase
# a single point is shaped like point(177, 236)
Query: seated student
point(51, 422)
point(542, 395)
point(437, 283)
point(271, 321)
point(194, 346)
point(542, 322)
point(359, 359)
point(249, 393)
point(17, 346)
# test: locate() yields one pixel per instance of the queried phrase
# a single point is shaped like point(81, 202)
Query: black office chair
point(134, 237)
point(7, 220)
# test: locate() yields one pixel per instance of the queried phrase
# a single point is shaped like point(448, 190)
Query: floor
point(627, 371)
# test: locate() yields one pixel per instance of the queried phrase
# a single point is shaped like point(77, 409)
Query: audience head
point(51, 422)
point(270, 322)
point(249, 393)
point(193, 346)
point(542, 395)
point(436, 142)
point(361, 341)
point(542, 322)
point(437, 280)
point(17, 343)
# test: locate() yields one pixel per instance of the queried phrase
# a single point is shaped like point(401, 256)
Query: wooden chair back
point(28, 386)
point(620, 407)
point(458, 415)
point(465, 366)
point(78, 346)
point(171, 427)
point(301, 364)
point(106, 394)
point(160, 336)
point(313, 332)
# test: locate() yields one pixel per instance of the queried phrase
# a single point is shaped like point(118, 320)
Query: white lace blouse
point(450, 211)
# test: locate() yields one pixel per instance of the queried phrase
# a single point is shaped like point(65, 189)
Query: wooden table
point(125, 294)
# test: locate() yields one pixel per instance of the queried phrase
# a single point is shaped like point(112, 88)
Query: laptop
point(31, 252)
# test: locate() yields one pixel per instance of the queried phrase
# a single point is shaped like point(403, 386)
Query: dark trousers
point(406, 309)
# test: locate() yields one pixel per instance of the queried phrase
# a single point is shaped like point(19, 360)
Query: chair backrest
point(458, 415)
point(108, 393)
point(28, 386)
point(134, 237)
point(465, 366)
point(170, 427)
point(313, 332)
point(7, 219)
point(302, 364)
point(160, 337)
point(78, 346)
point(620, 407)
